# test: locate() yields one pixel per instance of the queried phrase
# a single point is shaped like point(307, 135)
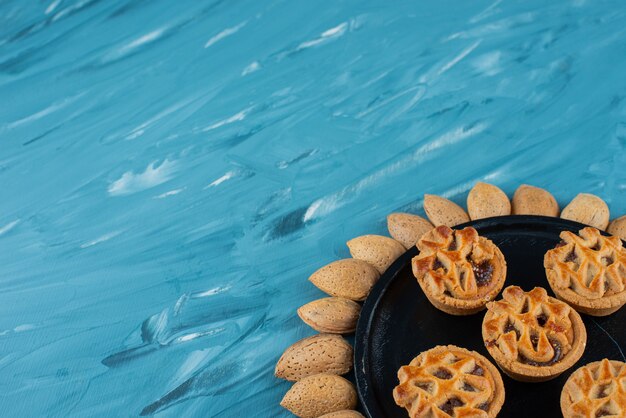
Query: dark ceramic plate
point(397, 322)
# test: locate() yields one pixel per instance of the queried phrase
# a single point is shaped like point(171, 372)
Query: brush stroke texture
point(172, 172)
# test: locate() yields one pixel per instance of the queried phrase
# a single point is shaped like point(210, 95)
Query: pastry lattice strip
point(529, 327)
point(444, 385)
point(590, 264)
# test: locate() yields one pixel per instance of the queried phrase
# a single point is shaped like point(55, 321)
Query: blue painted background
point(172, 172)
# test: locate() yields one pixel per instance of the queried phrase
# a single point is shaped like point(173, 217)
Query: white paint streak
point(211, 292)
point(224, 34)
point(152, 176)
point(254, 66)
point(327, 35)
point(131, 46)
point(454, 61)
point(9, 226)
point(234, 118)
point(103, 238)
point(24, 327)
point(488, 64)
point(229, 175)
point(170, 193)
point(45, 112)
point(489, 11)
point(52, 6)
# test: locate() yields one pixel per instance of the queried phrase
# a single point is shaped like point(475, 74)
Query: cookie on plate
point(458, 270)
point(588, 271)
point(533, 337)
point(449, 381)
point(595, 390)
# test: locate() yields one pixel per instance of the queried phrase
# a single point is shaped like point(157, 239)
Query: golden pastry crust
point(533, 337)
point(449, 381)
point(588, 271)
point(458, 270)
point(597, 389)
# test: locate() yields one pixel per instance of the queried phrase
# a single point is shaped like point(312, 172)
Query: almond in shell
point(348, 278)
point(321, 353)
point(486, 200)
point(331, 315)
point(587, 209)
point(407, 228)
point(618, 227)
point(441, 211)
point(531, 200)
point(319, 394)
point(377, 250)
point(343, 414)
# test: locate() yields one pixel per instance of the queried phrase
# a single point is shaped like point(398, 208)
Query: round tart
point(449, 381)
point(588, 271)
point(597, 389)
point(458, 270)
point(533, 337)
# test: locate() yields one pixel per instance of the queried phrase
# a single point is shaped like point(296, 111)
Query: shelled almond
point(321, 353)
point(377, 250)
point(406, 228)
point(319, 394)
point(531, 200)
point(331, 315)
point(587, 209)
point(486, 200)
point(349, 278)
point(441, 211)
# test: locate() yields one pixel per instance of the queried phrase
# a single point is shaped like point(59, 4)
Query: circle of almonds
point(316, 363)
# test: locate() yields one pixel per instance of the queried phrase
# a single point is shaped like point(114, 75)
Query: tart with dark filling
point(533, 337)
point(597, 389)
point(449, 381)
point(588, 271)
point(458, 270)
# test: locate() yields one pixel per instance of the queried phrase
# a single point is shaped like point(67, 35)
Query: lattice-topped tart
point(449, 381)
point(533, 337)
point(597, 389)
point(458, 270)
point(588, 271)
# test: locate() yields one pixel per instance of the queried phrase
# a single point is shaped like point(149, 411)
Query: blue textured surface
point(172, 172)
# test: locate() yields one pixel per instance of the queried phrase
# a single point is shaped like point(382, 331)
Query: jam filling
point(443, 374)
point(437, 264)
point(558, 355)
point(452, 246)
point(602, 392)
point(542, 319)
point(450, 404)
point(483, 406)
point(424, 386)
point(607, 261)
point(510, 326)
point(477, 371)
point(571, 256)
point(467, 387)
point(482, 272)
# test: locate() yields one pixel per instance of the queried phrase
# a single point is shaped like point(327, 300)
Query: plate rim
point(361, 355)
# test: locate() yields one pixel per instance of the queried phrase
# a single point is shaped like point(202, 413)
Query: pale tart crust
point(436, 242)
point(560, 270)
point(529, 373)
point(428, 406)
point(581, 397)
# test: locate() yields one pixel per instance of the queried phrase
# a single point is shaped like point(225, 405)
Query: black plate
point(397, 322)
